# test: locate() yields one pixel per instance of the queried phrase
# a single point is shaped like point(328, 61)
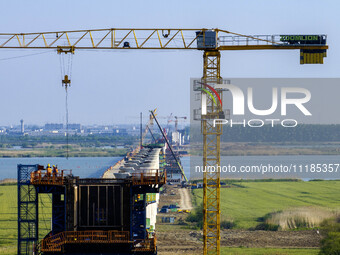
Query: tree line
point(84, 141)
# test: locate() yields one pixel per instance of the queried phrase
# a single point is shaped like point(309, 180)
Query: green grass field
point(8, 218)
point(244, 205)
point(256, 199)
point(267, 251)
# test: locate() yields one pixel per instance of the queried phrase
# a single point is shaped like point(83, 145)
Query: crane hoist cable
point(66, 108)
point(66, 73)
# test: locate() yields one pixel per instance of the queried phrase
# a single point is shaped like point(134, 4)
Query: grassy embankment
point(249, 203)
point(55, 146)
point(270, 149)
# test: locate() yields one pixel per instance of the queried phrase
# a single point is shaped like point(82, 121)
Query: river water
point(93, 167)
point(90, 167)
point(82, 167)
point(303, 167)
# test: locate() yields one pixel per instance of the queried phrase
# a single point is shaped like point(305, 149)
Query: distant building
point(22, 126)
point(176, 137)
point(121, 131)
point(53, 126)
point(74, 127)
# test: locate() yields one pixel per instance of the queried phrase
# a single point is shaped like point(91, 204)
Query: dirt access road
point(172, 241)
point(185, 199)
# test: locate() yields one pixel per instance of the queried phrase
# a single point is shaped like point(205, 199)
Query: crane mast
point(211, 41)
point(211, 157)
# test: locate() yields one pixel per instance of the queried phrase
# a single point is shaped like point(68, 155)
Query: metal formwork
point(101, 206)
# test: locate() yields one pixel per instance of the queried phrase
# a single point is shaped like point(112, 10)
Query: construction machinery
point(175, 157)
point(147, 127)
point(176, 136)
point(211, 41)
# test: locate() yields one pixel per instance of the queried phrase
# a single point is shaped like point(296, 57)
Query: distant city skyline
point(145, 120)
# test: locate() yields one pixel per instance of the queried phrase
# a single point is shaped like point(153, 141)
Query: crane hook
point(66, 82)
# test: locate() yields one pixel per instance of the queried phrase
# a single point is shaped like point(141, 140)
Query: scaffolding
point(31, 183)
point(27, 210)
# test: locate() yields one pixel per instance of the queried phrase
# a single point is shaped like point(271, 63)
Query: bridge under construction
point(111, 215)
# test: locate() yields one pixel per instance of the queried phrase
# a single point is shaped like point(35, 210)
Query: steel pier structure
point(92, 215)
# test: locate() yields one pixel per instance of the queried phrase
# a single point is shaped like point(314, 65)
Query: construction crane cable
point(23, 56)
point(70, 71)
point(69, 65)
point(66, 106)
point(151, 134)
point(66, 73)
point(169, 146)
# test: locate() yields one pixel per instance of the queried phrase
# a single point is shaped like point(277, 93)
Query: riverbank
point(227, 149)
point(79, 152)
point(8, 181)
point(271, 149)
point(108, 172)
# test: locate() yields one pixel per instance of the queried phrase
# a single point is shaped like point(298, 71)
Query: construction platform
point(93, 215)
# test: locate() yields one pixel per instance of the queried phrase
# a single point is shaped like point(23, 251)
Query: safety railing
point(45, 177)
point(149, 178)
point(54, 243)
point(96, 236)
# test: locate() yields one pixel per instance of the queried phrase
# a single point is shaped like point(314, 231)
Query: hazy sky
point(111, 87)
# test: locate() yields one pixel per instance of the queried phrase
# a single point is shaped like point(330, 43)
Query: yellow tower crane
point(148, 126)
point(176, 121)
point(211, 41)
